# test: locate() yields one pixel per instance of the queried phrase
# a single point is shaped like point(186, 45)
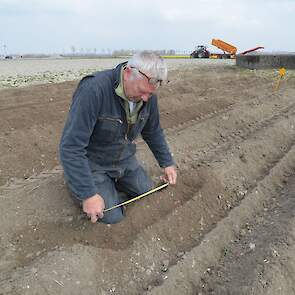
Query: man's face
point(141, 88)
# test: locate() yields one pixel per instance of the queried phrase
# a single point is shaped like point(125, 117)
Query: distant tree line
point(108, 52)
point(75, 52)
point(124, 52)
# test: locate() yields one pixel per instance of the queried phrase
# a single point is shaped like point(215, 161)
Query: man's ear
point(127, 72)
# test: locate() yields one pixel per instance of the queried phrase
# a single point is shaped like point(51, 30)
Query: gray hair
point(149, 63)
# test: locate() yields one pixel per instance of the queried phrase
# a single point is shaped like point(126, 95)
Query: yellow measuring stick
point(282, 72)
point(138, 197)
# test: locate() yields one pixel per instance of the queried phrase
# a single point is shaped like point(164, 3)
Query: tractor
point(201, 51)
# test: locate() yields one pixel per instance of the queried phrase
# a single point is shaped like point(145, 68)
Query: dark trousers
point(118, 184)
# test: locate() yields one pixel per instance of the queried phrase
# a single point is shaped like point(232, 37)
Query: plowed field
point(233, 138)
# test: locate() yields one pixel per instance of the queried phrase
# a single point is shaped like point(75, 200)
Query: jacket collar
point(117, 74)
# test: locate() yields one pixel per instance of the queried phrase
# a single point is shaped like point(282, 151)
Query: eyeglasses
point(151, 80)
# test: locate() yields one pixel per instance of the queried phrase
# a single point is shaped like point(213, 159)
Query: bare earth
point(227, 227)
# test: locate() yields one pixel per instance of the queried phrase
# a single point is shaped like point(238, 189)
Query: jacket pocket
point(107, 129)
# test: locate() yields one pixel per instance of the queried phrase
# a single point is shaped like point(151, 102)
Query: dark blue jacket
point(96, 131)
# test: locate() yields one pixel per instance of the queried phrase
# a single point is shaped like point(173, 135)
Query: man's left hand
point(170, 174)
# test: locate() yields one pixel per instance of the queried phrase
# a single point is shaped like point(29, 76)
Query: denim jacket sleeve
point(75, 138)
point(153, 135)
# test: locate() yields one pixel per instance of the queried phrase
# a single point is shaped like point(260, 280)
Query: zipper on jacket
point(127, 131)
point(111, 119)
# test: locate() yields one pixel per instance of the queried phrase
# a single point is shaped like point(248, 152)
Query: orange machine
point(229, 51)
point(225, 47)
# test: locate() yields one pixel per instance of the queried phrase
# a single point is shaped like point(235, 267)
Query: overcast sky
point(47, 26)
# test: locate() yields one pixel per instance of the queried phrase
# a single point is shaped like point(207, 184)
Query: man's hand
point(94, 207)
point(170, 174)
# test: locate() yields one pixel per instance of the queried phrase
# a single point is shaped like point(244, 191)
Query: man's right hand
point(94, 207)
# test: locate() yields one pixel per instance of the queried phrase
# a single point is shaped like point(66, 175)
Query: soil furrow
point(29, 137)
point(194, 211)
point(187, 274)
point(233, 139)
point(252, 262)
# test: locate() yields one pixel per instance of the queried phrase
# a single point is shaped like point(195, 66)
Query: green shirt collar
point(120, 88)
point(131, 117)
